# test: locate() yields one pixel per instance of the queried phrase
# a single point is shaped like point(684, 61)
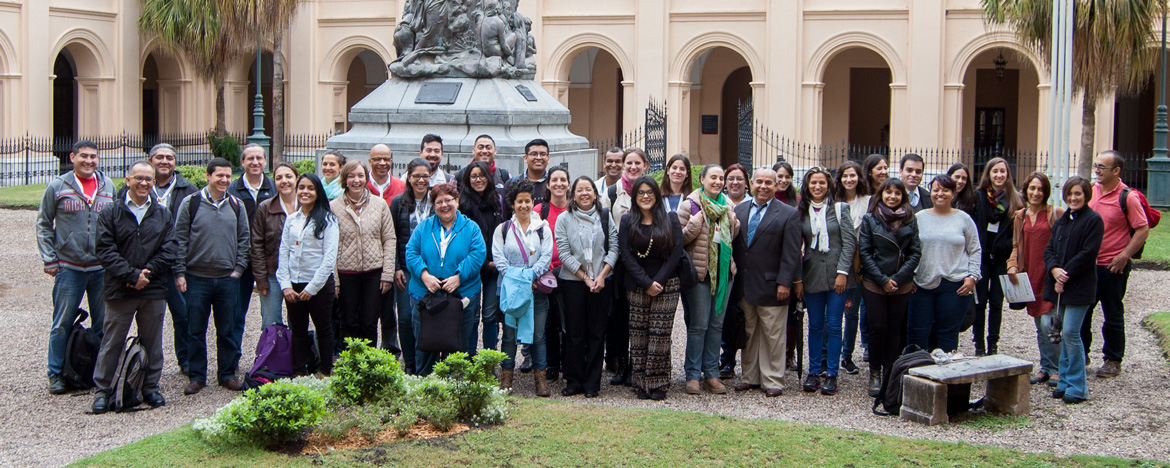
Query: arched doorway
point(1001, 105)
point(64, 97)
point(162, 96)
point(856, 101)
point(150, 101)
point(596, 95)
point(720, 80)
point(366, 72)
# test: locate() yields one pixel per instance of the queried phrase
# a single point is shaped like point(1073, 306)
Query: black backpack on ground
point(81, 352)
point(890, 397)
point(129, 377)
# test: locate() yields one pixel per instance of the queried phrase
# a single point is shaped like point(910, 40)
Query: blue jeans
point(539, 345)
point(68, 287)
point(491, 316)
point(424, 362)
point(855, 319)
point(406, 328)
point(1049, 351)
point(270, 304)
point(941, 309)
point(247, 284)
point(704, 332)
point(824, 314)
point(177, 304)
point(203, 296)
point(1072, 353)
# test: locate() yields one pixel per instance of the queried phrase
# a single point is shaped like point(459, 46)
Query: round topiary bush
point(271, 414)
point(365, 374)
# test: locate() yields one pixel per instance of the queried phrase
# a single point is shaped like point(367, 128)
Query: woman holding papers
point(1031, 229)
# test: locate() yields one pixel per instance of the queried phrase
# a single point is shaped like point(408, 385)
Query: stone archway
point(163, 79)
point(856, 99)
point(595, 95)
point(85, 55)
point(1000, 112)
point(719, 80)
point(367, 70)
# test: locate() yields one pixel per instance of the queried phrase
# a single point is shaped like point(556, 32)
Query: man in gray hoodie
point(66, 235)
point(212, 230)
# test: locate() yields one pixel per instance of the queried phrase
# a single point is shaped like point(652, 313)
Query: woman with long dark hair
point(889, 251)
point(829, 243)
point(996, 201)
point(1031, 231)
point(1070, 259)
point(710, 225)
point(408, 209)
point(365, 258)
point(586, 239)
point(965, 191)
point(785, 191)
point(676, 182)
point(851, 188)
point(621, 200)
point(876, 169)
point(482, 203)
point(308, 253)
point(947, 272)
point(650, 242)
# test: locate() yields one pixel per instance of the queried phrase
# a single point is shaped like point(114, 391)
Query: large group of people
point(584, 275)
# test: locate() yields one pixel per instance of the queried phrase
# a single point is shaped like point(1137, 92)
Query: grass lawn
point(21, 196)
point(544, 433)
point(1158, 246)
point(1159, 323)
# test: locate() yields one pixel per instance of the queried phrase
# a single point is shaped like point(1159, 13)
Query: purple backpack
point(274, 351)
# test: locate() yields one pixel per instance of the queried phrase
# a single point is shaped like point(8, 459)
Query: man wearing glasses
point(136, 245)
point(66, 234)
point(1125, 234)
point(536, 159)
point(382, 183)
point(170, 188)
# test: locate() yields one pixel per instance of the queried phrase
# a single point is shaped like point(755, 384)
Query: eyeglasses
point(1102, 167)
point(419, 176)
point(478, 176)
point(143, 179)
point(445, 201)
point(381, 160)
point(645, 194)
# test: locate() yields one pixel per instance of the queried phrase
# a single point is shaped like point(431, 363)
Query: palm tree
point(1111, 49)
point(244, 20)
point(193, 28)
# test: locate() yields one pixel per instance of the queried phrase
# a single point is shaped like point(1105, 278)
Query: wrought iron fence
point(656, 134)
point(35, 160)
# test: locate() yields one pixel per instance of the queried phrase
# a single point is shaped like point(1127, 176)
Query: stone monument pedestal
point(512, 111)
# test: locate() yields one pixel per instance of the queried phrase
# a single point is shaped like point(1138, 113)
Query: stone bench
point(926, 390)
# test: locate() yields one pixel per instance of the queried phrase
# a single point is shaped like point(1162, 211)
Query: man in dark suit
point(767, 251)
point(911, 174)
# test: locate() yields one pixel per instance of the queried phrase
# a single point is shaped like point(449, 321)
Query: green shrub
point(696, 169)
point(267, 415)
point(196, 175)
point(472, 384)
point(226, 147)
point(437, 403)
point(306, 166)
point(365, 374)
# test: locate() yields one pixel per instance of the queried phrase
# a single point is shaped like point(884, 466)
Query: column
point(952, 123)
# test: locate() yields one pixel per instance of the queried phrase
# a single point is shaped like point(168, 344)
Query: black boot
point(619, 375)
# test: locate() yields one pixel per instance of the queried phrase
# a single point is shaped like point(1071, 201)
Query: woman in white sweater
point(947, 273)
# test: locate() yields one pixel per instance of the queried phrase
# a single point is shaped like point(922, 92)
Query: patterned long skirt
point(651, 321)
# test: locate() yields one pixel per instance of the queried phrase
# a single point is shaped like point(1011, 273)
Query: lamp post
point(1158, 173)
point(258, 135)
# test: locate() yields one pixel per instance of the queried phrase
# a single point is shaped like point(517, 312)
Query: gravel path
point(1127, 416)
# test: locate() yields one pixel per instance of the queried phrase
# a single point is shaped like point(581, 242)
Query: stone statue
point(463, 39)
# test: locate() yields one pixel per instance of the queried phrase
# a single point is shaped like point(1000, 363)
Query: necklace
point(647, 252)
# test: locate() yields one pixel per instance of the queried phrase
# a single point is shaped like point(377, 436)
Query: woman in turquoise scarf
point(709, 225)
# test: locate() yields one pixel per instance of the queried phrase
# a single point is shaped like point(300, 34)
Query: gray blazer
point(570, 236)
point(820, 269)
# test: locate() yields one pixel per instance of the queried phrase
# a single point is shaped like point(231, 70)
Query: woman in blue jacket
point(445, 252)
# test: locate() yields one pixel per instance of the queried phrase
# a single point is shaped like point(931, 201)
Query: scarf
point(588, 232)
point(628, 184)
point(820, 227)
point(356, 206)
point(998, 201)
point(718, 247)
point(890, 219)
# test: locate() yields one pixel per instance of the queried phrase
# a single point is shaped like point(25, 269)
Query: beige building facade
point(896, 73)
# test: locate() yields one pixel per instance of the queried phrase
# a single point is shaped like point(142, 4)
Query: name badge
point(992, 227)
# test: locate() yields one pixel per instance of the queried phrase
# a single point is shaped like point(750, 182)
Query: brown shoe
point(692, 387)
point(715, 386)
point(541, 384)
point(193, 387)
point(506, 379)
point(744, 386)
point(773, 392)
point(232, 383)
point(1111, 368)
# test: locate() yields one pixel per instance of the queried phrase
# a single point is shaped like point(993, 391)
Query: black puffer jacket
point(888, 255)
point(126, 247)
point(1075, 242)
